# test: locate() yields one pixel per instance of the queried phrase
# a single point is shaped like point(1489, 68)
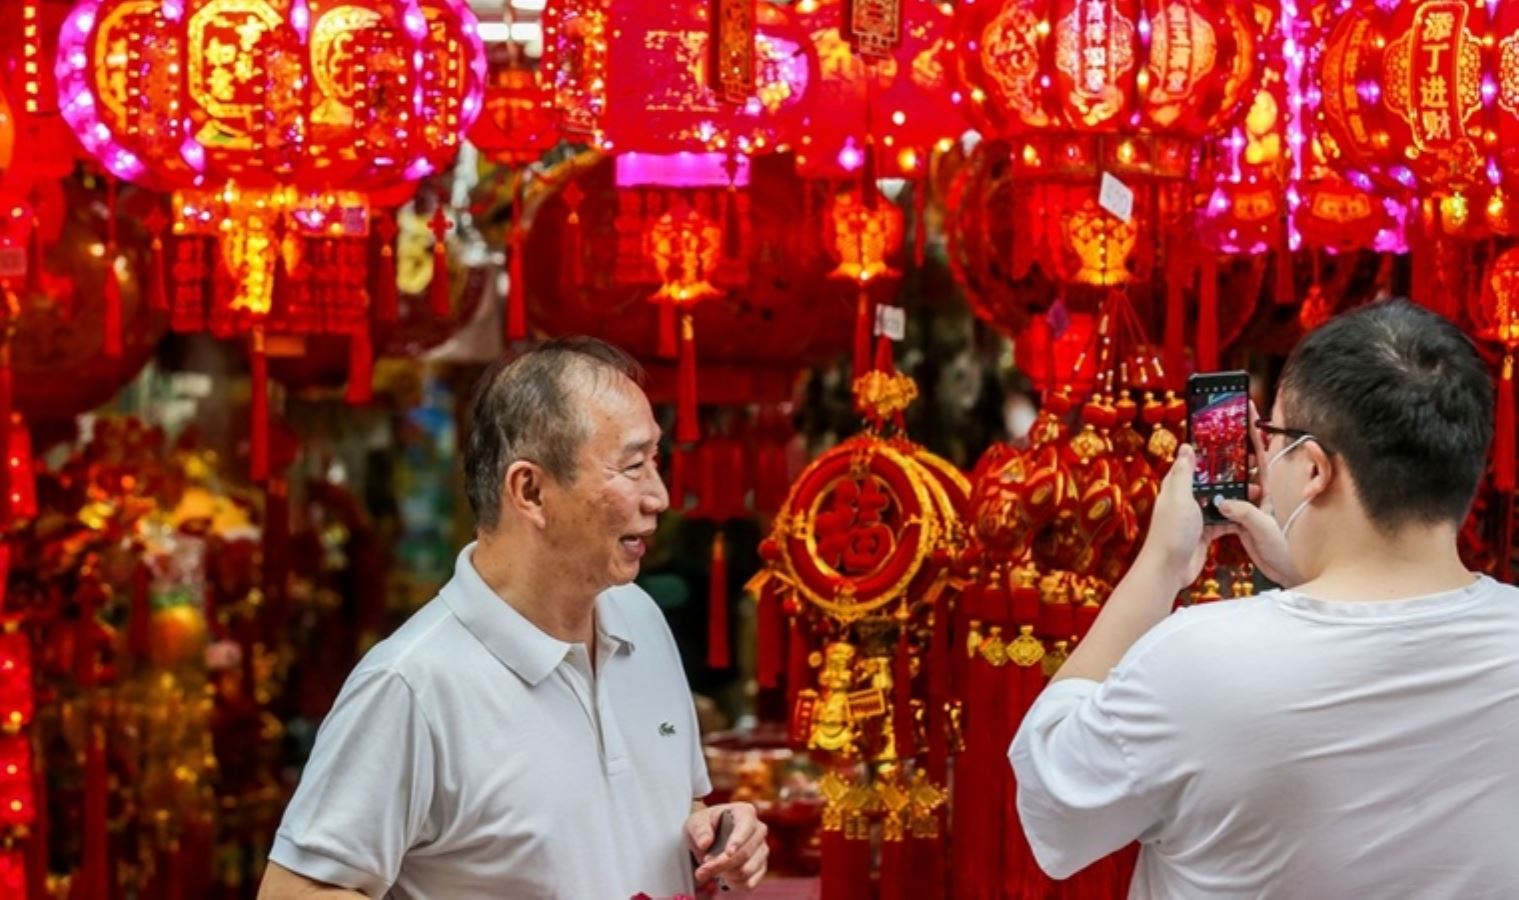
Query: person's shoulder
point(1207, 630)
point(423, 641)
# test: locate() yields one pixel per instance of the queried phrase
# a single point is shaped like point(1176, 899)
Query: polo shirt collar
point(519, 644)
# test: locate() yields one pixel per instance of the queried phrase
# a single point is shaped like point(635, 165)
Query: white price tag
point(1116, 197)
point(12, 262)
point(891, 321)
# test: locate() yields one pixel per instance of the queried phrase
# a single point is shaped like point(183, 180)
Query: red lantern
point(1048, 354)
point(1059, 76)
point(895, 100)
point(518, 123)
point(270, 117)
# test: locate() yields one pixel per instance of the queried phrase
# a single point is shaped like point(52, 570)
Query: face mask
point(1287, 526)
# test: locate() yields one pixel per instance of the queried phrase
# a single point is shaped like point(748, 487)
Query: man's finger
point(754, 870)
point(1245, 515)
point(699, 832)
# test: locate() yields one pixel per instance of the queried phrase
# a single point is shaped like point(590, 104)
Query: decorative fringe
point(1207, 315)
point(938, 690)
point(687, 418)
point(516, 297)
point(769, 635)
point(846, 865)
point(864, 322)
point(258, 408)
point(901, 714)
point(718, 655)
point(1286, 276)
point(796, 661)
point(667, 341)
point(360, 366)
point(1504, 448)
point(885, 357)
point(896, 870)
point(733, 235)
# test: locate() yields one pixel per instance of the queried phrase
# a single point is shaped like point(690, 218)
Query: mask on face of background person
point(1270, 505)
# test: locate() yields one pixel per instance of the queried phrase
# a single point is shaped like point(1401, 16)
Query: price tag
point(1116, 197)
point(891, 321)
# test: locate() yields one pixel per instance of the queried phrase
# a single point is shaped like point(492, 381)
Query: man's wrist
point(1162, 579)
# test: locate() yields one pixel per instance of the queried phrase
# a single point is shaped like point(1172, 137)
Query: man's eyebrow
point(641, 446)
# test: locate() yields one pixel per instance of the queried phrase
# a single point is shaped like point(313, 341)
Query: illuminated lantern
point(1126, 86)
point(1496, 317)
point(518, 123)
point(893, 99)
point(1049, 355)
point(1243, 213)
point(574, 62)
point(274, 121)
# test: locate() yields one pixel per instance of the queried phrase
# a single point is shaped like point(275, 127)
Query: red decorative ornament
point(518, 123)
point(1496, 317)
point(892, 101)
point(1247, 168)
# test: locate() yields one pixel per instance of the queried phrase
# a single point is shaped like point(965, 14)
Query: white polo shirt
point(471, 755)
point(1289, 748)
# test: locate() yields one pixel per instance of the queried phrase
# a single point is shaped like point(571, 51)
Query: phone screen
point(1218, 422)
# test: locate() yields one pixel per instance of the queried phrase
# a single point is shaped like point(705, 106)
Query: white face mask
point(1287, 526)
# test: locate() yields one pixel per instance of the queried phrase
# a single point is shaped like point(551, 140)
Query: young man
point(1355, 734)
point(528, 733)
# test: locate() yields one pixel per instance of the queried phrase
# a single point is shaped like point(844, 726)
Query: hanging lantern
point(1495, 316)
point(1413, 101)
point(894, 99)
point(863, 238)
point(1243, 212)
point(273, 121)
point(518, 123)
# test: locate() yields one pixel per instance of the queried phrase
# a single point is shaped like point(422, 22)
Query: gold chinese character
point(1439, 26)
point(1434, 92)
point(1434, 51)
point(1436, 124)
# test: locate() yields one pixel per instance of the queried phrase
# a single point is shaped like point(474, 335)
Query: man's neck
point(1361, 564)
point(538, 592)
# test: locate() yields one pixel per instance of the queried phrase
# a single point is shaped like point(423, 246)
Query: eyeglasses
point(1297, 434)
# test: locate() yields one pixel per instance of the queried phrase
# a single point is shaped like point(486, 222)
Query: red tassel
point(864, 325)
point(21, 488)
point(902, 721)
point(139, 621)
point(885, 358)
point(1207, 315)
point(158, 286)
point(769, 633)
point(718, 655)
point(258, 408)
point(1176, 316)
point(668, 339)
point(733, 235)
point(360, 366)
point(276, 551)
point(111, 294)
point(895, 870)
point(797, 650)
point(687, 420)
point(938, 690)
point(846, 866)
point(7, 393)
point(386, 305)
point(1286, 277)
point(572, 250)
point(516, 298)
point(1503, 432)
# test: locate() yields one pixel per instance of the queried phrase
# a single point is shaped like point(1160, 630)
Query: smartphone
point(720, 840)
point(1218, 424)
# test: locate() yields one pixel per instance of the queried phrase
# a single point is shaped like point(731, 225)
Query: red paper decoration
point(895, 101)
point(518, 123)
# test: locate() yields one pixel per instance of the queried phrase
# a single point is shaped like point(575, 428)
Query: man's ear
point(1322, 473)
point(522, 491)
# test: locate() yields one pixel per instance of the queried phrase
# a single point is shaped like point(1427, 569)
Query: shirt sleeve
point(1077, 759)
point(364, 796)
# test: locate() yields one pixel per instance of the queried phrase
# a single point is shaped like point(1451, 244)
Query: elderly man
point(1351, 735)
point(529, 732)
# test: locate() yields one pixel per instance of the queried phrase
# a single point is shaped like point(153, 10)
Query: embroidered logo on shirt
point(666, 729)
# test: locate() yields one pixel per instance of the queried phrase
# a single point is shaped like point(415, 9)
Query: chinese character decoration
point(859, 562)
point(574, 62)
point(278, 124)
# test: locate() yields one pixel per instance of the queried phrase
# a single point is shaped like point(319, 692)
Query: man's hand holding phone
point(1256, 528)
point(729, 841)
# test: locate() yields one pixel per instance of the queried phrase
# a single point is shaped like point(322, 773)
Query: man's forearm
point(1144, 597)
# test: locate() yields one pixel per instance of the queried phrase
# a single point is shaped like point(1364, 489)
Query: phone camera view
point(1219, 420)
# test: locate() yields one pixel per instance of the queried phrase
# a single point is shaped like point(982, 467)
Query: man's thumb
point(1246, 514)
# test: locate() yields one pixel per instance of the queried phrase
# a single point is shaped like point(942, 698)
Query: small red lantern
point(518, 123)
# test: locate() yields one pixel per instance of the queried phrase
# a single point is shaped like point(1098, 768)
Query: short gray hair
point(525, 408)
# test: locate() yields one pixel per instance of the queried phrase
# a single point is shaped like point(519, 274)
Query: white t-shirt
point(1283, 747)
point(472, 756)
